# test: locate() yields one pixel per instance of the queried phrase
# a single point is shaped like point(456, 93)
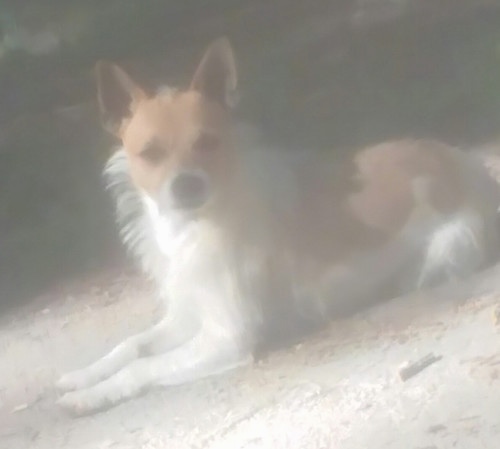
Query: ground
point(339, 389)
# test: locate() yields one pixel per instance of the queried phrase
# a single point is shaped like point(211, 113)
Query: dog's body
point(250, 244)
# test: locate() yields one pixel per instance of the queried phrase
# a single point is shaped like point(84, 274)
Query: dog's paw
point(75, 380)
point(74, 404)
point(79, 404)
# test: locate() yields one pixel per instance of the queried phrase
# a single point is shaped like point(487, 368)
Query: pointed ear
point(216, 76)
point(117, 95)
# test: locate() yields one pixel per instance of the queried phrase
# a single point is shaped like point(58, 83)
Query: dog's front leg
point(164, 336)
point(203, 356)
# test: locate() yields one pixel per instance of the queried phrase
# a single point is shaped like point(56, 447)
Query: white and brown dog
point(247, 242)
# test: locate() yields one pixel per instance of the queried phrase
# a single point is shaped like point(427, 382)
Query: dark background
point(337, 74)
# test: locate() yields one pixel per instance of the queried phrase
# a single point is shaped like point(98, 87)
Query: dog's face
point(177, 142)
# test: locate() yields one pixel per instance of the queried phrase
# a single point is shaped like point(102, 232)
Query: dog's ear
point(117, 94)
point(216, 76)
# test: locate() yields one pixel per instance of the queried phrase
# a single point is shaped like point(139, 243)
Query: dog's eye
point(206, 142)
point(153, 154)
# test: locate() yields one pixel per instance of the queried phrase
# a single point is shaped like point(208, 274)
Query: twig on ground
point(410, 370)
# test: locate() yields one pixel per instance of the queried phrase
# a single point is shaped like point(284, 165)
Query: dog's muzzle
point(189, 190)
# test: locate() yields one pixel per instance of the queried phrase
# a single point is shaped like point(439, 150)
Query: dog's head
point(177, 143)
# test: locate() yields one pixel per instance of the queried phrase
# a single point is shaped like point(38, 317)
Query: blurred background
point(336, 74)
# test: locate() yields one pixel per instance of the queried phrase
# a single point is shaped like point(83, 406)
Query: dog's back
point(391, 219)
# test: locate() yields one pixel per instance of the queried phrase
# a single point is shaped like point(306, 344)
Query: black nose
point(189, 190)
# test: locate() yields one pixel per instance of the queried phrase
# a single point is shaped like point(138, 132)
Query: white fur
point(460, 244)
point(455, 249)
point(135, 226)
point(204, 331)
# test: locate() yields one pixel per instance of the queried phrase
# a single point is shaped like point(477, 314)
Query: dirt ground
point(340, 389)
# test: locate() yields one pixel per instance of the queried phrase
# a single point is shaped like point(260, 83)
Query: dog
point(252, 245)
